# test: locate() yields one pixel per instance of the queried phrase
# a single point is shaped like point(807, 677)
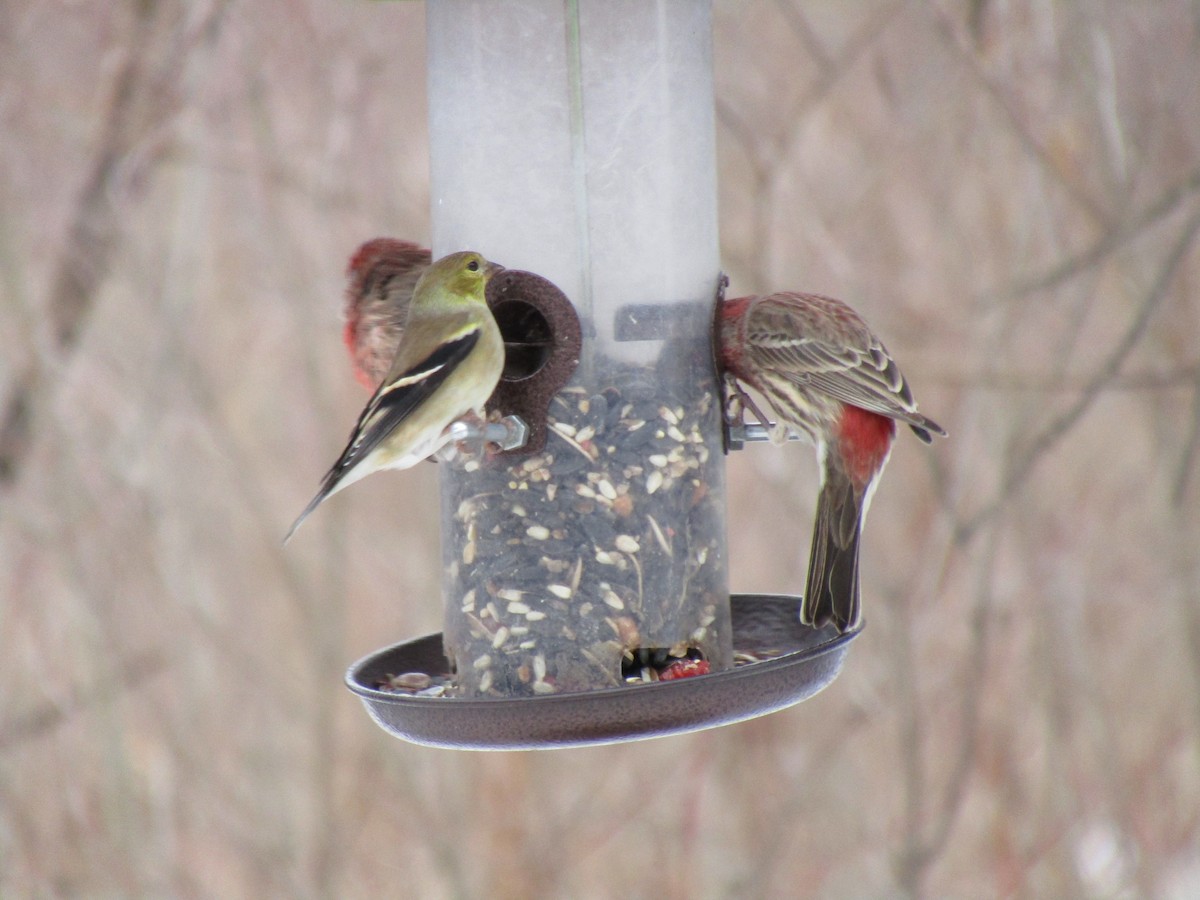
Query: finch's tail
point(333, 482)
point(831, 595)
point(312, 504)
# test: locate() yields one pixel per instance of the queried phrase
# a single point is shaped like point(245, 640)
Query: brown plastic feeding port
point(780, 663)
point(542, 342)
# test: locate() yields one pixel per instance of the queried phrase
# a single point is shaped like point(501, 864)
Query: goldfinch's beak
point(493, 269)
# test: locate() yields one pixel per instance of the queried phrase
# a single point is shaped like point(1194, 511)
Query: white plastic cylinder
point(575, 139)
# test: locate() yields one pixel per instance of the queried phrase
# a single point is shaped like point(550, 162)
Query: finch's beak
point(492, 269)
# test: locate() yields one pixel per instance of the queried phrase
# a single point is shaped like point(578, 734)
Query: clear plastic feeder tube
point(575, 140)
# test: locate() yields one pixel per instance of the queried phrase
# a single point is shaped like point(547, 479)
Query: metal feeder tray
point(798, 662)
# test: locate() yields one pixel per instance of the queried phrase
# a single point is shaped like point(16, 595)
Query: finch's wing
point(848, 363)
point(872, 380)
point(863, 376)
point(392, 403)
point(866, 377)
point(398, 397)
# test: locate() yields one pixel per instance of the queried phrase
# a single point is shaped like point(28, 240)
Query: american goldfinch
point(380, 280)
point(447, 365)
point(826, 376)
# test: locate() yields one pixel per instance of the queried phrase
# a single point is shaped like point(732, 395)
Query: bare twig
point(745, 135)
point(830, 75)
point(933, 842)
point(1024, 134)
point(1187, 460)
point(766, 152)
point(1180, 376)
point(804, 31)
point(143, 98)
point(911, 862)
point(1115, 237)
point(1024, 462)
point(132, 673)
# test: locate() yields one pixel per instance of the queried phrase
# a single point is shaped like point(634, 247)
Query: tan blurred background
point(1009, 190)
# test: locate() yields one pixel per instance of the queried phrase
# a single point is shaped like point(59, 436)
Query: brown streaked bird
point(826, 376)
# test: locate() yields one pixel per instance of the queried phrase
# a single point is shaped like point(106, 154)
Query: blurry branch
point(910, 863)
point(745, 135)
point(254, 501)
point(407, 807)
point(778, 843)
point(1187, 460)
point(1125, 230)
point(1179, 376)
point(308, 598)
point(768, 153)
point(923, 845)
point(946, 26)
point(804, 31)
point(33, 724)
point(1186, 570)
point(142, 99)
point(1025, 461)
point(976, 16)
point(831, 73)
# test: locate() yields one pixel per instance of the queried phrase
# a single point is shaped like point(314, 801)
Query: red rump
point(864, 439)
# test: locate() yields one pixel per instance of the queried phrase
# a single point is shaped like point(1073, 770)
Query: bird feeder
point(575, 140)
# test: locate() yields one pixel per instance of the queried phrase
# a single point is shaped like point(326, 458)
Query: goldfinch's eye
point(473, 265)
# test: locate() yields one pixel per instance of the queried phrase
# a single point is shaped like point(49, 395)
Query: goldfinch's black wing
point(396, 398)
point(391, 404)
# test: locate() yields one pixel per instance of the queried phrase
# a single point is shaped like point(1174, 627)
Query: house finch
point(827, 377)
point(447, 365)
point(380, 280)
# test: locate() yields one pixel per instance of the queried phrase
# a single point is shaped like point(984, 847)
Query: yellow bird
point(447, 365)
